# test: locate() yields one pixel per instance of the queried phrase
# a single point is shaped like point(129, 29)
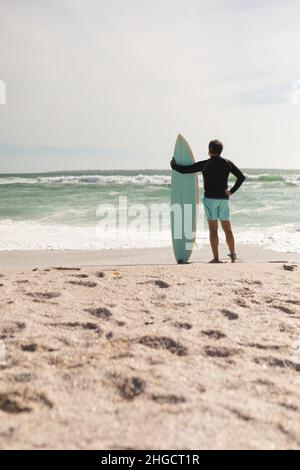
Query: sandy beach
point(120, 350)
point(130, 128)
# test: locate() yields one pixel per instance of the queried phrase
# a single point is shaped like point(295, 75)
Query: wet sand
point(137, 256)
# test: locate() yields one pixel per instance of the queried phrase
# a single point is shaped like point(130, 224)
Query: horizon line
point(124, 169)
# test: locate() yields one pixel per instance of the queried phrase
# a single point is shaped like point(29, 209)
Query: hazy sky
point(110, 83)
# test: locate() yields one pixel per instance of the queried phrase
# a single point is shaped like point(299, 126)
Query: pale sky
point(94, 84)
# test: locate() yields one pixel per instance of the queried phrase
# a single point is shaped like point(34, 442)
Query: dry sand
point(157, 357)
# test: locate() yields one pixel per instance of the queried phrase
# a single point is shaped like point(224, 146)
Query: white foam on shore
point(284, 239)
point(139, 179)
point(37, 236)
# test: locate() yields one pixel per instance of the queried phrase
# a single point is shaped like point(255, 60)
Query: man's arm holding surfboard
point(201, 165)
point(194, 168)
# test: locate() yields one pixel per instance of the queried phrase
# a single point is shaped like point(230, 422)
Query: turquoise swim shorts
point(216, 209)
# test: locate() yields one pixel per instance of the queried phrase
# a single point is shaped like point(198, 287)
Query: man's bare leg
point(226, 226)
point(214, 239)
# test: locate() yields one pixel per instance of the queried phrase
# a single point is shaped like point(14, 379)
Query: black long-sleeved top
point(215, 171)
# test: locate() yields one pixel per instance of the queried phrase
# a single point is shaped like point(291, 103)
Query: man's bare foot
point(232, 256)
point(213, 261)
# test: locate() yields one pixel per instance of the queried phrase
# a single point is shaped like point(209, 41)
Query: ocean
point(82, 210)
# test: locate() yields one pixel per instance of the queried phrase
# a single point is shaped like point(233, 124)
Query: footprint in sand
point(161, 284)
point(250, 282)
point(163, 342)
point(183, 325)
point(293, 302)
point(230, 315)
point(43, 295)
point(24, 377)
point(215, 334)
point(14, 402)
point(219, 352)
point(276, 362)
point(289, 267)
point(30, 347)
point(100, 312)
point(271, 347)
point(168, 399)
point(11, 403)
point(264, 383)
point(130, 387)
point(100, 274)
point(241, 303)
point(289, 406)
point(9, 329)
point(83, 283)
point(244, 292)
point(239, 414)
point(284, 309)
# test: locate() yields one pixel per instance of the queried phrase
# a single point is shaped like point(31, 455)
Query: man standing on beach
point(215, 171)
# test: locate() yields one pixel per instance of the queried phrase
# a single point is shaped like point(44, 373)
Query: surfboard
point(184, 203)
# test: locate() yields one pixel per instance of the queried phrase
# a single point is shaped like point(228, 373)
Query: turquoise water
point(58, 210)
